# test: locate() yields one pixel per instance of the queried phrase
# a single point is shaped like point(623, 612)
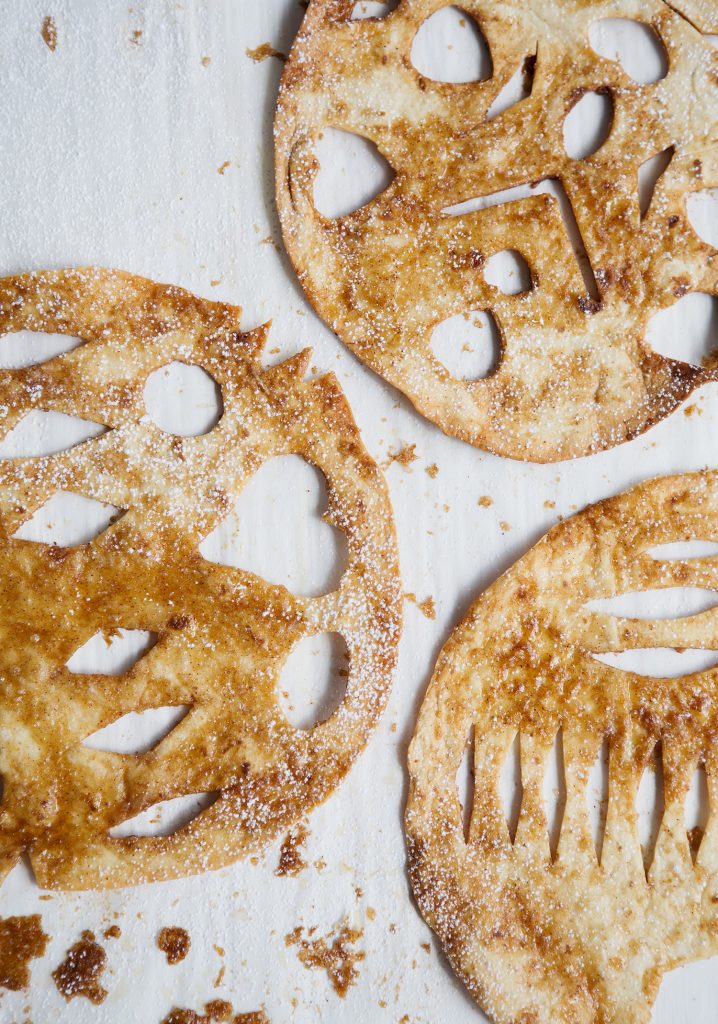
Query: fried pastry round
point(575, 929)
point(223, 634)
point(575, 373)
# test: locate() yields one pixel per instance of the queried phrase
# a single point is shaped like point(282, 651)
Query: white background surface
point(109, 154)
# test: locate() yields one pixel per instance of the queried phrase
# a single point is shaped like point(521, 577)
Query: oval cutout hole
point(554, 792)
point(649, 174)
point(28, 348)
point(351, 173)
point(702, 210)
point(68, 520)
point(684, 550)
point(509, 272)
point(166, 817)
point(372, 9)
point(697, 810)
point(112, 654)
point(587, 125)
point(465, 783)
point(635, 45)
point(183, 399)
point(137, 732)
point(449, 47)
point(313, 681)
point(667, 603)
point(660, 662)
point(687, 330)
point(468, 345)
point(47, 433)
point(517, 89)
point(511, 790)
point(650, 805)
point(597, 797)
point(276, 530)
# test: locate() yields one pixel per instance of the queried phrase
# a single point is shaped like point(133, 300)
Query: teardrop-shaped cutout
point(511, 788)
point(666, 603)
point(29, 348)
point(636, 46)
point(112, 654)
point(517, 89)
point(351, 173)
point(687, 330)
point(372, 9)
point(554, 792)
point(166, 817)
point(449, 47)
point(282, 505)
point(697, 810)
point(702, 210)
point(660, 662)
point(468, 345)
point(649, 174)
point(465, 783)
point(137, 732)
point(68, 520)
point(313, 680)
point(650, 806)
point(183, 399)
point(597, 797)
point(509, 272)
point(588, 124)
point(47, 433)
point(684, 550)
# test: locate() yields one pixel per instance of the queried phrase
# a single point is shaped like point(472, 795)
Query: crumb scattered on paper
point(21, 940)
point(175, 943)
point(432, 470)
point(339, 959)
point(49, 32)
point(291, 861)
point(428, 608)
point(223, 167)
point(264, 52)
point(485, 501)
point(113, 932)
point(404, 456)
point(80, 972)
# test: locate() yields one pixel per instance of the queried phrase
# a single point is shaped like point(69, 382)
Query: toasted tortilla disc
point(573, 929)
point(223, 634)
point(575, 374)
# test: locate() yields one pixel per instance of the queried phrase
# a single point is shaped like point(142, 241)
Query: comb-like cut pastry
point(573, 936)
point(223, 634)
point(575, 373)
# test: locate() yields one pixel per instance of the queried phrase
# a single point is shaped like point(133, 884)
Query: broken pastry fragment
point(222, 634)
point(476, 178)
point(543, 918)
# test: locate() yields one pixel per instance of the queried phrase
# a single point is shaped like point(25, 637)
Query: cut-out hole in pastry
point(183, 399)
point(517, 89)
point(468, 345)
point(712, 39)
point(554, 792)
point(635, 45)
point(548, 186)
point(449, 47)
point(166, 817)
point(683, 550)
point(702, 210)
point(283, 502)
point(465, 783)
point(511, 790)
point(597, 797)
point(649, 174)
point(664, 603)
point(137, 732)
point(313, 681)
point(112, 654)
point(650, 806)
point(68, 520)
point(28, 348)
point(588, 124)
point(372, 9)
point(47, 433)
point(687, 330)
point(509, 272)
point(697, 810)
point(351, 173)
point(660, 662)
